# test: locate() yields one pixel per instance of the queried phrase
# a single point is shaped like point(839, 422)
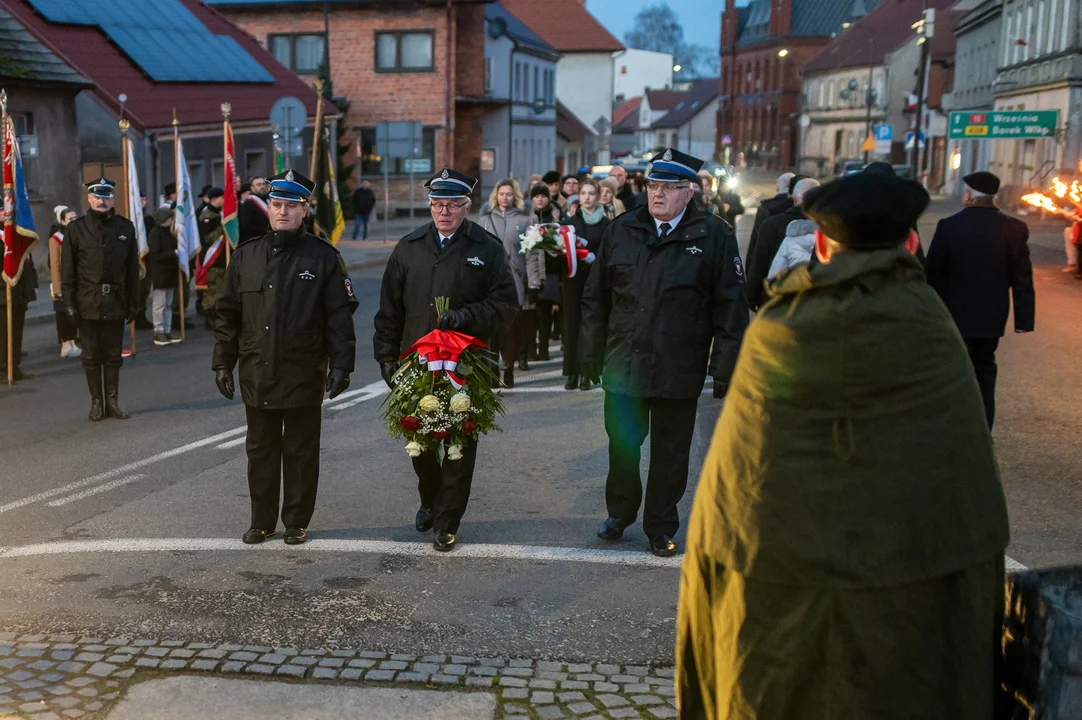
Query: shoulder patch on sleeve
point(349, 289)
point(739, 266)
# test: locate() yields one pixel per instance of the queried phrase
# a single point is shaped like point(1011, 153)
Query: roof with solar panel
point(163, 54)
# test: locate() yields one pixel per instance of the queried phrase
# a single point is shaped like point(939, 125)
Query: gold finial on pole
point(175, 121)
point(4, 100)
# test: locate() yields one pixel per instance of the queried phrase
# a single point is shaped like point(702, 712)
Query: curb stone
point(50, 681)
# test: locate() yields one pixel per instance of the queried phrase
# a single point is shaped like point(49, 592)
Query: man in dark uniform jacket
point(23, 293)
point(668, 284)
point(285, 312)
point(253, 214)
point(978, 258)
point(781, 202)
point(100, 278)
point(455, 258)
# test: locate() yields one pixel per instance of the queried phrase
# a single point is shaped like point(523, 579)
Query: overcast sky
point(701, 18)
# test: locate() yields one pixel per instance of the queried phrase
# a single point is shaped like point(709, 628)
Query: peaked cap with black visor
point(450, 184)
point(291, 186)
point(102, 188)
point(673, 166)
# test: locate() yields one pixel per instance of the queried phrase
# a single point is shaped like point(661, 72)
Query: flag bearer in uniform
point(100, 276)
point(665, 303)
point(253, 214)
point(284, 313)
point(455, 258)
point(210, 268)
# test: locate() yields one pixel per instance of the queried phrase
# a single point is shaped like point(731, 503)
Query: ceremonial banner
point(229, 209)
point(184, 220)
point(20, 234)
point(330, 221)
point(135, 204)
point(279, 160)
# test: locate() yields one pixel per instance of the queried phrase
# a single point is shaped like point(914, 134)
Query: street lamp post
point(868, 96)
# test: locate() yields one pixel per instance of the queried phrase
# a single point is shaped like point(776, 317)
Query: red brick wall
point(376, 96)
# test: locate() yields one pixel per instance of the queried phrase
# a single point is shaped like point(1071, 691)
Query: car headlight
point(733, 182)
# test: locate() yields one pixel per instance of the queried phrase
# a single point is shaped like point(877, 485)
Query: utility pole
point(926, 28)
point(869, 95)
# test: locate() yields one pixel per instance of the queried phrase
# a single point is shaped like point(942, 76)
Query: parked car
point(904, 171)
point(850, 167)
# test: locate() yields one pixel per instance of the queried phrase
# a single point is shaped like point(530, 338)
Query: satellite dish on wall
point(497, 28)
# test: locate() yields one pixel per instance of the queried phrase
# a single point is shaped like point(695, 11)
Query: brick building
point(764, 45)
point(411, 60)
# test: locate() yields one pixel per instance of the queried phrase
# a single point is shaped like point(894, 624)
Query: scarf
point(593, 218)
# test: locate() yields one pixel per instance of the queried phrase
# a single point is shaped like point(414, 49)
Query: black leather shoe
point(662, 546)
point(444, 541)
point(423, 522)
point(584, 383)
point(611, 530)
point(523, 365)
point(254, 536)
point(509, 378)
point(296, 535)
point(97, 412)
point(572, 382)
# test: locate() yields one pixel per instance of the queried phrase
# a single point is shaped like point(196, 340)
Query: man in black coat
point(728, 202)
point(100, 278)
point(364, 202)
point(24, 292)
point(771, 236)
point(285, 313)
point(781, 202)
point(253, 215)
point(455, 258)
point(978, 259)
point(665, 302)
point(163, 268)
point(627, 193)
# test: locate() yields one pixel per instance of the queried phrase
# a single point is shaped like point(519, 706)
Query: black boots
point(93, 381)
point(509, 377)
point(112, 385)
point(572, 382)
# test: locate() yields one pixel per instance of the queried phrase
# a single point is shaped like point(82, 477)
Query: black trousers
point(544, 327)
point(18, 315)
point(571, 290)
point(283, 457)
point(446, 487)
point(670, 424)
point(982, 353)
point(65, 329)
point(102, 342)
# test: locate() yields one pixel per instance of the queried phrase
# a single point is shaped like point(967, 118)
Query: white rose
point(460, 403)
point(413, 449)
point(429, 403)
point(454, 452)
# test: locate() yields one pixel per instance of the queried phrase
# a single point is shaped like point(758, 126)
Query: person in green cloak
point(845, 548)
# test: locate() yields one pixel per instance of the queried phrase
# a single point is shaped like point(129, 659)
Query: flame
point(1039, 200)
point(1058, 187)
point(1076, 193)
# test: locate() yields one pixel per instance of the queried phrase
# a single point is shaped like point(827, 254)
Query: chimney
point(729, 24)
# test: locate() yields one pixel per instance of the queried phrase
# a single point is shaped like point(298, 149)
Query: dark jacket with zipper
point(100, 267)
point(653, 306)
point(162, 261)
point(771, 236)
point(471, 271)
point(767, 209)
point(285, 312)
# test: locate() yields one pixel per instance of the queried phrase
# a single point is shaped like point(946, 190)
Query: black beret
point(214, 192)
point(883, 168)
point(550, 177)
point(983, 182)
point(170, 188)
point(867, 211)
point(540, 189)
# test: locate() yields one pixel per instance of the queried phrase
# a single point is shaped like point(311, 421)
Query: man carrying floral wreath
point(456, 261)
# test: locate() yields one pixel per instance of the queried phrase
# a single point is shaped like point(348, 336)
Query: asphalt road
point(154, 508)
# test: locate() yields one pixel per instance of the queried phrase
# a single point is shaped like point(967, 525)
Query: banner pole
point(226, 109)
point(11, 340)
point(124, 125)
point(176, 229)
point(7, 220)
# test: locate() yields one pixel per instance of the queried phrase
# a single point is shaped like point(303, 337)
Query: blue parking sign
point(884, 132)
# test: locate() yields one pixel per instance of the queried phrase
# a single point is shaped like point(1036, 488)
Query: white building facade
point(636, 71)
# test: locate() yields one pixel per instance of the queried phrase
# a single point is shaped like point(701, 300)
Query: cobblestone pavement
point(68, 676)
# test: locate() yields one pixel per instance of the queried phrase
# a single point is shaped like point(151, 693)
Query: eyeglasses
point(446, 207)
point(665, 188)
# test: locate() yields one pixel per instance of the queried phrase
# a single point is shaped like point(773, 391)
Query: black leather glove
point(533, 295)
point(224, 380)
point(387, 371)
point(74, 315)
point(591, 371)
point(337, 382)
point(720, 388)
point(452, 320)
point(132, 313)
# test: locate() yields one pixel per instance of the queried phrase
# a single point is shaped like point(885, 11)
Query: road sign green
point(1002, 124)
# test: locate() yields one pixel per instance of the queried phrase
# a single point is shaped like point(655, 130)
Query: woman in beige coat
point(66, 331)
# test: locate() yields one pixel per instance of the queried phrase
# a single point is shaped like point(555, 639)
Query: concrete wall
point(636, 70)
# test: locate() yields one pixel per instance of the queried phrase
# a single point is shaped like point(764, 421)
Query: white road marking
point(531, 376)
point(95, 490)
point(361, 399)
point(382, 547)
point(232, 443)
point(122, 470)
point(1013, 565)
